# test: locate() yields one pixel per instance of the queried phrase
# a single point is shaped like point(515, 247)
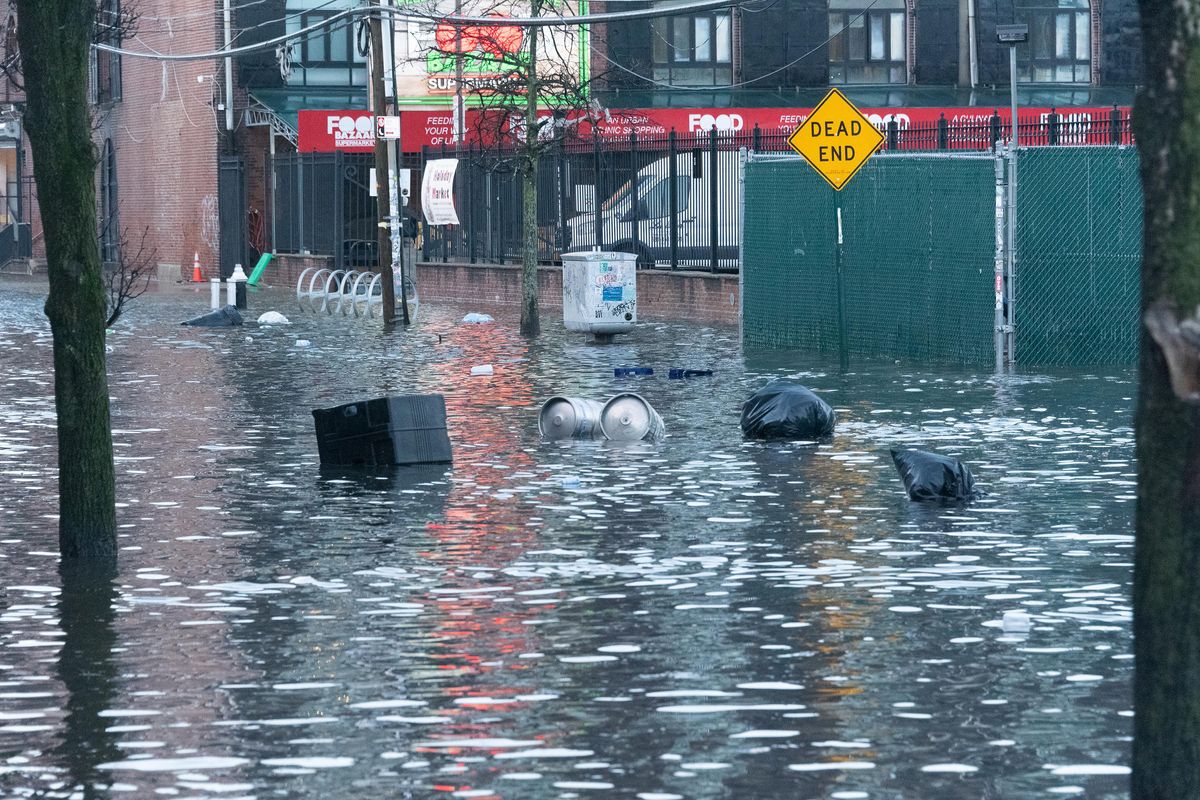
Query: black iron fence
point(321, 204)
point(674, 200)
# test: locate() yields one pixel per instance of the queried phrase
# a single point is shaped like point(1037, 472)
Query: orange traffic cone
point(197, 276)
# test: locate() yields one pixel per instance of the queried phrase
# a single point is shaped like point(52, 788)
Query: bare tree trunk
point(54, 37)
point(530, 323)
point(1166, 748)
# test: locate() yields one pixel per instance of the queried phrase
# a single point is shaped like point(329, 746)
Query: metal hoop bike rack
point(320, 290)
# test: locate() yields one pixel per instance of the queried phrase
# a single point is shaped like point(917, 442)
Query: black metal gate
point(231, 198)
point(322, 205)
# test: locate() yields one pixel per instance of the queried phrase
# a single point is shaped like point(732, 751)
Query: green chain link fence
point(917, 264)
point(919, 253)
point(1079, 253)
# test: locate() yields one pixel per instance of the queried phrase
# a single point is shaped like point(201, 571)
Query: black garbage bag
point(931, 477)
point(783, 410)
point(226, 317)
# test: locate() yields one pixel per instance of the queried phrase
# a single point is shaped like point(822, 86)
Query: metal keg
point(570, 417)
point(627, 417)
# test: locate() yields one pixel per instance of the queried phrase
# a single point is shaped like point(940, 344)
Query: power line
point(524, 22)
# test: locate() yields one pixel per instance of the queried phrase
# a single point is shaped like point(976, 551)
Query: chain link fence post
point(1010, 283)
point(998, 266)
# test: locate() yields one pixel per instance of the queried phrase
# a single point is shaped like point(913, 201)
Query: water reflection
point(89, 674)
point(700, 617)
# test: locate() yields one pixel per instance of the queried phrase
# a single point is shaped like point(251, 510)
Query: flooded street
point(705, 617)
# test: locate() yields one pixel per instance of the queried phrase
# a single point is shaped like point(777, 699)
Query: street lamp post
point(1012, 35)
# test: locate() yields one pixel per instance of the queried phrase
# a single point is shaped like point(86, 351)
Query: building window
point(106, 66)
point(1060, 42)
point(328, 56)
point(867, 46)
point(110, 226)
point(694, 50)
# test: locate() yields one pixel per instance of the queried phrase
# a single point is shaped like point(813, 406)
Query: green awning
point(285, 104)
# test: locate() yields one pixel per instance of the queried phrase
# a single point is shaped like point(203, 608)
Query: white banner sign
point(437, 191)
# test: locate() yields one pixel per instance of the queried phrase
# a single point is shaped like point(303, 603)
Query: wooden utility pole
point(1166, 575)
point(382, 172)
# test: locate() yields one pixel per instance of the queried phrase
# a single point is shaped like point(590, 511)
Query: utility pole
point(382, 173)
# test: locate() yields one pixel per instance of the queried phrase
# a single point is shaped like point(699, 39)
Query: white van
point(645, 229)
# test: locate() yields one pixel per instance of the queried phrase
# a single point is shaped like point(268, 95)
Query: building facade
point(157, 132)
point(885, 52)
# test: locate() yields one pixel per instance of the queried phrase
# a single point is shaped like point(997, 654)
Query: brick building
point(884, 53)
point(158, 135)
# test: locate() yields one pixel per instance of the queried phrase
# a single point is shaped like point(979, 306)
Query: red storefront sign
point(692, 121)
point(435, 128)
point(336, 131)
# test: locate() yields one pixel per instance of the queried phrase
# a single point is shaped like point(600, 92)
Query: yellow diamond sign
point(836, 139)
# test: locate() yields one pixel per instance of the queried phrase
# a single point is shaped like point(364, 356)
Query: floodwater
point(701, 618)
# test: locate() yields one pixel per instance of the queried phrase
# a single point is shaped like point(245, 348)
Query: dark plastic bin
point(384, 432)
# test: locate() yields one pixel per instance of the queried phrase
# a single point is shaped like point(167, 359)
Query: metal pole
point(561, 162)
point(1010, 292)
point(672, 175)
point(973, 52)
point(470, 228)
point(713, 199)
point(597, 196)
point(228, 69)
point(634, 199)
point(1012, 84)
point(383, 230)
point(298, 160)
point(274, 192)
point(998, 333)
point(1012, 203)
point(843, 356)
point(396, 161)
point(743, 157)
point(399, 228)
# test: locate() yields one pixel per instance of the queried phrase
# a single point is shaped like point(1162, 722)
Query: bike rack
point(348, 292)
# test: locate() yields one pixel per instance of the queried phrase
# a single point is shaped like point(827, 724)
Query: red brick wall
point(285, 269)
point(165, 134)
point(694, 296)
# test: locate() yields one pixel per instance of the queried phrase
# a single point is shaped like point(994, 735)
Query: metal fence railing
point(321, 204)
point(673, 200)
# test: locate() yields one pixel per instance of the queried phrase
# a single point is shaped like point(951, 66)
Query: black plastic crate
point(383, 432)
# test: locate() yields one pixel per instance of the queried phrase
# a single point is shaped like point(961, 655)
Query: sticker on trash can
point(612, 294)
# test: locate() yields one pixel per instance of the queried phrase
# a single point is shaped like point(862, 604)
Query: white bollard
point(237, 283)
point(230, 293)
point(215, 283)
